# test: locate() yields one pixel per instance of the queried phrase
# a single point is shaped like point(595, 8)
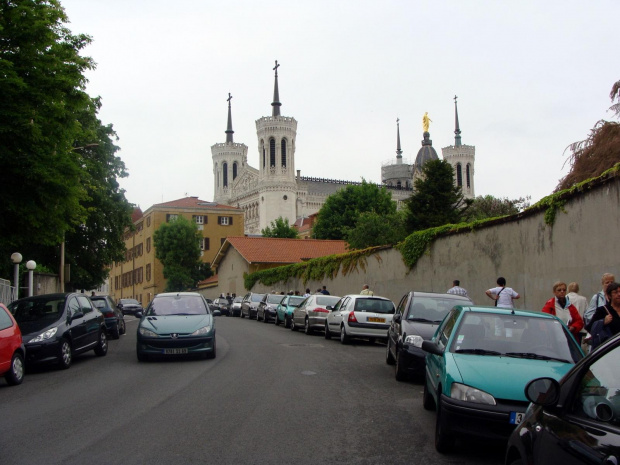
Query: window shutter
point(219, 220)
point(206, 243)
point(230, 220)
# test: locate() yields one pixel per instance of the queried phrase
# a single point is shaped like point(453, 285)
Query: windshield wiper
point(477, 352)
point(534, 356)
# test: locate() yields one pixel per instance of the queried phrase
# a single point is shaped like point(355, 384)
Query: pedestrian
point(599, 299)
point(92, 294)
point(561, 306)
point(366, 291)
point(608, 313)
point(581, 304)
point(502, 295)
point(325, 291)
point(456, 288)
point(307, 292)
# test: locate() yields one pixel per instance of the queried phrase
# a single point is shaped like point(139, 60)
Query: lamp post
point(16, 258)
point(31, 265)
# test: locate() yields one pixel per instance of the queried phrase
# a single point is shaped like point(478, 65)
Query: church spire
point(276, 95)
point(229, 130)
point(399, 152)
point(457, 130)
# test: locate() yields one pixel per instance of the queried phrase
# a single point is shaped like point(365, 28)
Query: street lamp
point(31, 265)
point(16, 258)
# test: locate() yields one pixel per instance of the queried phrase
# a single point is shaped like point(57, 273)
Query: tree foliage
point(59, 168)
point(373, 229)
point(600, 151)
point(341, 210)
point(280, 228)
point(436, 200)
point(487, 206)
point(177, 247)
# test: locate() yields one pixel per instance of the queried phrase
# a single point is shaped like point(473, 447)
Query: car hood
point(184, 324)
point(31, 329)
point(504, 377)
point(412, 328)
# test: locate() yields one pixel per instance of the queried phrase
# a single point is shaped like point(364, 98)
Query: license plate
point(516, 417)
point(374, 319)
point(175, 351)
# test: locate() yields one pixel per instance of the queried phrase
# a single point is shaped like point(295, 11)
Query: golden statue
point(426, 121)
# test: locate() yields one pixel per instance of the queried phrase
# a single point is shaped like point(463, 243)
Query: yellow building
point(141, 275)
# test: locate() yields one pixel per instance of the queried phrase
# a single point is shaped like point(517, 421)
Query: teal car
point(176, 324)
point(284, 310)
point(479, 362)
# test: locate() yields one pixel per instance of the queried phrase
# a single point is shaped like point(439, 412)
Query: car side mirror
point(397, 318)
point(330, 308)
point(432, 348)
point(76, 315)
point(138, 314)
point(543, 391)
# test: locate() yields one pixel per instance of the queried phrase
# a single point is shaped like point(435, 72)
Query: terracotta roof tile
point(136, 214)
point(192, 202)
point(274, 250)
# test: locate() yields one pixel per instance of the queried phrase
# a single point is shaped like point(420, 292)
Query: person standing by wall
point(456, 288)
point(502, 295)
point(581, 304)
point(561, 307)
point(599, 299)
point(366, 290)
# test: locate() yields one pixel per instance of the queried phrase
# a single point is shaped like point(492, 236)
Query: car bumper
point(174, 347)
point(42, 352)
point(235, 311)
point(412, 359)
point(480, 420)
point(378, 331)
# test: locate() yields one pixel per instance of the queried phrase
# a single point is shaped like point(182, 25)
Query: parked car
point(12, 350)
point(479, 362)
point(266, 309)
point(359, 316)
point(130, 306)
point(235, 309)
point(176, 323)
point(114, 318)
point(417, 316)
point(222, 304)
point(284, 310)
point(56, 327)
point(249, 304)
point(575, 420)
point(311, 313)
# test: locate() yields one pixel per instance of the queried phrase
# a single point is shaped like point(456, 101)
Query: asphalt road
point(271, 396)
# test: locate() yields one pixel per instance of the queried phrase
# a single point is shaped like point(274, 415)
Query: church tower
point(462, 158)
point(396, 174)
point(277, 136)
point(229, 159)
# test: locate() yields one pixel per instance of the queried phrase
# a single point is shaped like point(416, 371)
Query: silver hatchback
point(361, 316)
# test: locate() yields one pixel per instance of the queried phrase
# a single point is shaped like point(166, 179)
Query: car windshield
point(294, 301)
point(257, 297)
point(373, 305)
point(325, 300)
point(431, 308)
point(177, 305)
point(99, 303)
point(130, 302)
point(274, 298)
point(35, 313)
point(238, 299)
point(516, 336)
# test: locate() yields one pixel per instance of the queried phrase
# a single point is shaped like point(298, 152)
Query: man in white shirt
point(456, 288)
point(502, 295)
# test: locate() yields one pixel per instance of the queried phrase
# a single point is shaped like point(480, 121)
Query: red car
point(12, 352)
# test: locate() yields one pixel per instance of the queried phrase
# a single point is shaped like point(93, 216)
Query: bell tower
point(462, 158)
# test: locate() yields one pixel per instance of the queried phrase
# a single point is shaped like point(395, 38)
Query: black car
point(56, 327)
point(575, 420)
point(266, 309)
point(114, 318)
point(417, 316)
point(222, 304)
point(249, 304)
point(130, 306)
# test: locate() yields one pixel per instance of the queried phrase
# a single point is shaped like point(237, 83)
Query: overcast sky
point(531, 78)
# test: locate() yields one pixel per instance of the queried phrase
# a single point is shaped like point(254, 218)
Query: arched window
point(217, 176)
point(262, 150)
point(468, 174)
point(272, 152)
point(225, 174)
point(283, 151)
point(459, 175)
point(234, 171)
point(397, 184)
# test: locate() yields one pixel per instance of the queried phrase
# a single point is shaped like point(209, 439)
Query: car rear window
point(374, 305)
point(327, 300)
point(432, 308)
point(295, 301)
point(257, 297)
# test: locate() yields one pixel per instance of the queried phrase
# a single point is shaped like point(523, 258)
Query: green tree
point(280, 228)
point(177, 247)
point(341, 210)
point(487, 206)
point(436, 200)
point(373, 229)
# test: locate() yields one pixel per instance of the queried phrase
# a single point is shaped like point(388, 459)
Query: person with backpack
point(502, 295)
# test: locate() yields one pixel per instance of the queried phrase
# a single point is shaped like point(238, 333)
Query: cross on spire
point(229, 98)
point(275, 68)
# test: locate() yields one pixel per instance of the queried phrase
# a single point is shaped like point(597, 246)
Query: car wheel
point(344, 339)
point(328, 335)
point(277, 320)
point(287, 322)
point(307, 328)
point(242, 314)
point(444, 440)
point(116, 331)
point(401, 374)
point(65, 357)
point(265, 318)
point(102, 347)
point(15, 374)
point(427, 400)
point(389, 358)
point(293, 327)
point(123, 327)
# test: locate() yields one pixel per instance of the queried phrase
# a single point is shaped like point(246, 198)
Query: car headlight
point(50, 333)
point(201, 331)
point(414, 340)
point(470, 394)
point(147, 332)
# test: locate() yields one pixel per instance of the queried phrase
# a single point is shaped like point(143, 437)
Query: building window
point(204, 243)
point(234, 171)
point(272, 152)
point(148, 272)
point(139, 226)
point(225, 174)
point(171, 217)
point(283, 151)
point(459, 175)
point(224, 220)
point(148, 244)
point(468, 174)
point(148, 221)
point(199, 219)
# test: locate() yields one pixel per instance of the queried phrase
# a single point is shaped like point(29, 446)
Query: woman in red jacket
point(561, 307)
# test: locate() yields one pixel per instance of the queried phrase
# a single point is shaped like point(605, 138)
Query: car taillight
point(321, 310)
point(352, 318)
point(109, 314)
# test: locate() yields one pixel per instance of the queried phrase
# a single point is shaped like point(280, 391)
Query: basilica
point(276, 189)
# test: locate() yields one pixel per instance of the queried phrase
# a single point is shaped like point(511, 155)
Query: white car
point(360, 316)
